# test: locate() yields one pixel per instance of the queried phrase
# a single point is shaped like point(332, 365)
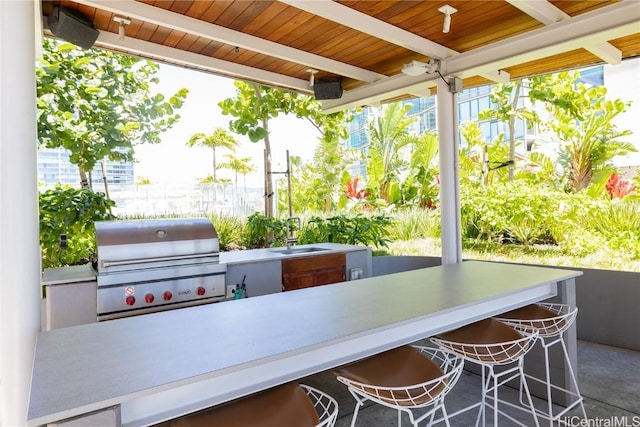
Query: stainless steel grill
point(153, 265)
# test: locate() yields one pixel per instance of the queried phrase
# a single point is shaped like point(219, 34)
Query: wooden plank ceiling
point(367, 43)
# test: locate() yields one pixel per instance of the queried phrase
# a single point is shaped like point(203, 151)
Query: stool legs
point(490, 394)
point(551, 320)
point(573, 385)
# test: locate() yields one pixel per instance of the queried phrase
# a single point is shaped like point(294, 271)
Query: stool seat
point(499, 349)
point(405, 378)
point(400, 367)
point(549, 319)
point(285, 405)
point(488, 340)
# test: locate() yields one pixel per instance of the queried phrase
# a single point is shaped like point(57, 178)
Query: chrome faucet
point(292, 240)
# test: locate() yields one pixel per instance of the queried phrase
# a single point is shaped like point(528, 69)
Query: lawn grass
point(541, 255)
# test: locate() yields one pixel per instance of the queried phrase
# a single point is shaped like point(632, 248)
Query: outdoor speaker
point(72, 27)
point(327, 89)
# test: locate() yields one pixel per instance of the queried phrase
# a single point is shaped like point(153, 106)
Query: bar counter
point(159, 366)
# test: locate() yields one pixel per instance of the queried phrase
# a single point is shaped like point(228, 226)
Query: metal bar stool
point(405, 378)
point(551, 320)
point(291, 404)
point(493, 344)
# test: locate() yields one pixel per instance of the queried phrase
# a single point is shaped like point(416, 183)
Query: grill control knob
point(167, 295)
point(149, 298)
point(130, 300)
point(200, 290)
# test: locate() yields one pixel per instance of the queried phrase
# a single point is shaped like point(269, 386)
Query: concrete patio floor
point(608, 377)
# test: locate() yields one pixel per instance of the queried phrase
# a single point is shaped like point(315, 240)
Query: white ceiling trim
point(364, 23)
point(548, 14)
point(167, 54)
point(154, 15)
point(607, 23)
point(610, 22)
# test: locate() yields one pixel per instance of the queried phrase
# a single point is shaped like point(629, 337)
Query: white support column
point(449, 174)
point(19, 247)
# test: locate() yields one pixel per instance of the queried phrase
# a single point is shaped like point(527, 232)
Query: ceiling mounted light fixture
point(123, 22)
point(312, 76)
point(416, 68)
point(448, 11)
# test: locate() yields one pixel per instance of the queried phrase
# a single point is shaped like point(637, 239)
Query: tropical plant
point(219, 138)
point(98, 104)
point(318, 186)
point(352, 230)
point(67, 233)
point(507, 106)
point(618, 187)
point(513, 212)
point(422, 185)
point(583, 121)
point(481, 162)
point(254, 106)
point(238, 165)
point(388, 135)
point(263, 232)
point(230, 230)
point(415, 223)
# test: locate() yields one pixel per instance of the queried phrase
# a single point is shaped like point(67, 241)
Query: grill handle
point(106, 263)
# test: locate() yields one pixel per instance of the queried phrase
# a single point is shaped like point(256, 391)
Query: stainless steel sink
point(292, 251)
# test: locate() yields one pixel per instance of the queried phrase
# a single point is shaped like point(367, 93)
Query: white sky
point(172, 161)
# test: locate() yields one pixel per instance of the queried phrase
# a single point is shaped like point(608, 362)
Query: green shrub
point(415, 223)
point(230, 231)
point(72, 212)
point(513, 212)
point(350, 230)
point(263, 232)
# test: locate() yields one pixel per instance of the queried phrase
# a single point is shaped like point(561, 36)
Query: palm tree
point(388, 133)
point(220, 138)
point(584, 124)
point(245, 170)
point(238, 165)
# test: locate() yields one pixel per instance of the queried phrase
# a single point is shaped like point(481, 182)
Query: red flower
point(353, 192)
point(618, 187)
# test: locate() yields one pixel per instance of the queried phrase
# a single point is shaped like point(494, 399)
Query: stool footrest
point(555, 417)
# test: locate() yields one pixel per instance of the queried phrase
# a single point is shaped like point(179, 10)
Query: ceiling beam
point(336, 12)
point(165, 18)
point(364, 23)
point(607, 23)
point(388, 88)
point(170, 55)
point(548, 14)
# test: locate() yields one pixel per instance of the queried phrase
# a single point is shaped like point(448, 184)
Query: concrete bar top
point(166, 364)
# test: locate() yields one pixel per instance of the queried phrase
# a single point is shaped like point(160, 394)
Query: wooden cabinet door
point(306, 272)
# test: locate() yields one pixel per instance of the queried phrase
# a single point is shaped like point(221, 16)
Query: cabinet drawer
point(306, 272)
point(309, 279)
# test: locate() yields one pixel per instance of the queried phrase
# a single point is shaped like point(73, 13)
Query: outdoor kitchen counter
point(164, 365)
point(271, 254)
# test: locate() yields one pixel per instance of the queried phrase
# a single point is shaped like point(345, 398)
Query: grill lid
point(127, 244)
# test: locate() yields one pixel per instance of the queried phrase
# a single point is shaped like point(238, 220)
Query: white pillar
point(449, 174)
point(19, 246)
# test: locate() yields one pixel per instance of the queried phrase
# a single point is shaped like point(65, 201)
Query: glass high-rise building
point(54, 167)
